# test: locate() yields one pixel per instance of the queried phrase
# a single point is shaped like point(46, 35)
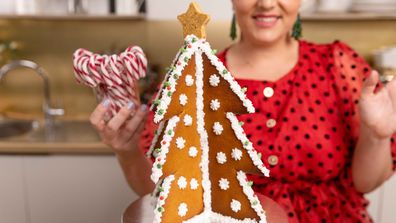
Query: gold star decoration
point(194, 21)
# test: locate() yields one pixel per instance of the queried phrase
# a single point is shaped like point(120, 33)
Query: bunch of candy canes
point(114, 76)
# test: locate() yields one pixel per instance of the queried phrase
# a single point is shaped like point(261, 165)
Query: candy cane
point(114, 76)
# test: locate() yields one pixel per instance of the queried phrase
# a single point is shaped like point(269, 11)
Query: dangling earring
point(233, 31)
point(297, 28)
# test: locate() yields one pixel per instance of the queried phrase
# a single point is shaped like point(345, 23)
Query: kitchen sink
point(62, 131)
point(10, 128)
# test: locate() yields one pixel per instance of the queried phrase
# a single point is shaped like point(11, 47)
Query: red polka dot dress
point(306, 127)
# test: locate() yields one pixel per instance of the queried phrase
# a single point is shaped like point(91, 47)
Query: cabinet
point(62, 189)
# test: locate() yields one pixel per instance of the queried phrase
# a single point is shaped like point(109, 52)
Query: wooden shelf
point(74, 17)
point(350, 16)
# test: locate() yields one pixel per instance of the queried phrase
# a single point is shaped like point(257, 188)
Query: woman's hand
point(122, 132)
point(378, 110)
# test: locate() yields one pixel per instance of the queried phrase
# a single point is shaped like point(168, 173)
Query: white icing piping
point(240, 134)
point(155, 139)
point(235, 87)
point(165, 79)
point(165, 143)
point(192, 45)
point(254, 201)
point(166, 186)
point(203, 134)
point(213, 217)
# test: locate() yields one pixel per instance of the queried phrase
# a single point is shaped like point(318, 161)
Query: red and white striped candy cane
point(114, 76)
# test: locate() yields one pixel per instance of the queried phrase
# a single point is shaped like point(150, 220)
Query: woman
point(325, 149)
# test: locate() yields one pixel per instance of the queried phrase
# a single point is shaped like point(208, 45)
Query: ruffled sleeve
point(349, 72)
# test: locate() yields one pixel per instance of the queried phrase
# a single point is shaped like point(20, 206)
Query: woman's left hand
point(378, 110)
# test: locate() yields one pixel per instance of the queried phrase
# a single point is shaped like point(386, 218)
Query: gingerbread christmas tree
point(201, 150)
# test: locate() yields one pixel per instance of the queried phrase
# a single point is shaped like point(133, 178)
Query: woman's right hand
point(121, 132)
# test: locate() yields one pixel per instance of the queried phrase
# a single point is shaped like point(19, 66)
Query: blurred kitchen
point(53, 167)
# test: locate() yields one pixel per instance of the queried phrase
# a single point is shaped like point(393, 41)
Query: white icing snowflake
point(214, 104)
point(224, 184)
point(183, 99)
point(187, 120)
point(217, 128)
point(182, 210)
point(236, 154)
point(194, 184)
point(182, 182)
point(221, 158)
point(193, 152)
point(235, 205)
point(189, 80)
point(180, 142)
point(214, 80)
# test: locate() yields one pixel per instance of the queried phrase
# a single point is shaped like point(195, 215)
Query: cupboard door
point(76, 189)
point(389, 202)
point(12, 190)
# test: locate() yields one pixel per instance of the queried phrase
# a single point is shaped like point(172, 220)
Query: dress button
point(273, 160)
point(271, 123)
point(268, 92)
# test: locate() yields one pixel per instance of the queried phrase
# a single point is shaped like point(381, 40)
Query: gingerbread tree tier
point(201, 150)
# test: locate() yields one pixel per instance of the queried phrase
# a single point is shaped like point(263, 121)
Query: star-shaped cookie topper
point(194, 21)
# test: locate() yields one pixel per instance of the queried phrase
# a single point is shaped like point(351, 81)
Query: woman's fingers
point(138, 118)
point(119, 119)
point(370, 84)
point(97, 116)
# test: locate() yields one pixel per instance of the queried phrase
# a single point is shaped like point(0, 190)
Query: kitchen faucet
point(49, 112)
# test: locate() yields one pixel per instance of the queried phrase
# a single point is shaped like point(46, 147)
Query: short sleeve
point(349, 72)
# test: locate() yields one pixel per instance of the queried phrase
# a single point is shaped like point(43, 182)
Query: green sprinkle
point(160, 112)
point(255, 202)
point(159, 166)
point(250, 183)
point(160, 189)
point(176, 76)
point(214, 51)
point(169, 94)
point(167, 84)
point(260, 155)
point(158, 150)
point(194, 40)
point(244, 90)
point(246, 143)
point(183, 50)
point(241, 123)
point(225, 72)
point(186, 59)
point(160, 209)
point(170, 132)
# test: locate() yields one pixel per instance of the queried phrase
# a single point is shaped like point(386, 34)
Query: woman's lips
point(266, 21)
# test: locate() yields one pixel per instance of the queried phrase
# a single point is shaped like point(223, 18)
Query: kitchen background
point(69, 176)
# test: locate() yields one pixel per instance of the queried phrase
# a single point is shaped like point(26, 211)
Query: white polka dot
point(194, 184)
point(214, 80)
point(221, 158)
point(189, 80)
point(214, 104)
point(224, 184)
point(217, 128)
point(182, 183)
point(187, 120)
point(182, 210)
point(236, 154)
point(180, 143)
point(235, 206)
point(193, 152)
point(183, 99)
